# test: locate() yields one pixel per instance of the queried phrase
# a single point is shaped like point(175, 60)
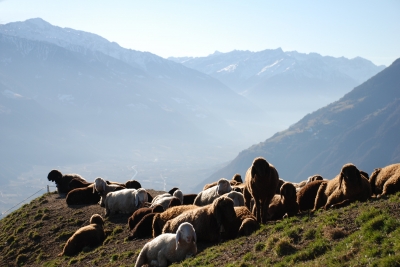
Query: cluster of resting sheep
point(224, 209)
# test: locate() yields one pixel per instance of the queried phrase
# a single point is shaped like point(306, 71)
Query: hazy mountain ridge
point(361, 128)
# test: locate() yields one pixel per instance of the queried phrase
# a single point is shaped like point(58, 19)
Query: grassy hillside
point(362, 234)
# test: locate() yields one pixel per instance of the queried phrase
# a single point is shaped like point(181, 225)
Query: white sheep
point(209, 195)
point(101, 186)
point(125, 200)
point(169, 248)
point(165, 199)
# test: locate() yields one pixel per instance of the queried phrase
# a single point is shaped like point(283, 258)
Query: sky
point(197, 28)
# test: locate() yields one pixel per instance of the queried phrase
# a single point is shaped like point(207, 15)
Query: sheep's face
point(238, 178)
point(288, 191)
point(99, 185)
point(350, 175)
point(259, 168)
point(185, 233)
point(54, 176)
point(178, 194)
point(223, 187)
point(96, 219)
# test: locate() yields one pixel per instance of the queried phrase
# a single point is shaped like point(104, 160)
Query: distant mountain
point(285, 82)
point(362, 127)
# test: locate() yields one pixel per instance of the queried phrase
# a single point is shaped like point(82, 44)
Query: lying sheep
point(62, 181)
point(78, 183)
point(284, 204)
point(236, 180)
point(143, 228)
point(209, 195)
point(348, 186)
point(103, 187)
point(88, 236)
point(161, 218)
point(82, 196)
point(169, 248)
point(307, 194)
point(246, 221)
point(140, 213)
point(238, 198)
point(208, 221)
point(165, 199)
point(385, 180)
point(125, 201)
point(261, 182)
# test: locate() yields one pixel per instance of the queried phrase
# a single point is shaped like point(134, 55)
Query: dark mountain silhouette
point(362, 127)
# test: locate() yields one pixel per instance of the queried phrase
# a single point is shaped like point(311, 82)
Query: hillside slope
point(362, 127)
point(34, 235)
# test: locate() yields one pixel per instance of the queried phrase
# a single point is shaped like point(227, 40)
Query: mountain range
point(362, 127)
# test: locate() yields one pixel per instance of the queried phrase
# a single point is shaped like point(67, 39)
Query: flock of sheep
point(224, 209)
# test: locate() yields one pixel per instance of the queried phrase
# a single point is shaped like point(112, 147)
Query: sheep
point(278, 187)
point(306, 195)
point(161, 218)
point(349, 185)
point(284, 204)
point(246, 221)
point(62, 181)
point(238, 198)
point(236, 180)
point(140, 213)
point(188, 199)
point(82, 196)
point(132, 184)
point(87, 236)
point(261, 181)
point(169, 248)
point(208, 221)
point(78, 183)
point(385, 180)
point(104, 187)
point(209, 195)
point(125, 201)
point(165, 199)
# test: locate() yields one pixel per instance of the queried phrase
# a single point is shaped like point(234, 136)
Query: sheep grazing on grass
point(209, 195)
point(307, 194)
point(82, 196)
point(125, 201)
point(62, 181)
point(385, 180)
point(236, 180)
point(140, 213)
point(348, 186)
point(208, 221)
point(88, 236)
point(284, 204)
point(161, 218)
point(261, 181)
point(103, 187)
point(169, 248)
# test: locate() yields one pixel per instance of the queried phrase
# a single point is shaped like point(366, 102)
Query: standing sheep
point(102, 187)
point(62, 181)
point(88, 236)
point(385, 180)
point(208, 221)
point(169, 248)
point(209, 195)
point(284, 204)
point(348, 186)
point(125, 201)
point(261, 181)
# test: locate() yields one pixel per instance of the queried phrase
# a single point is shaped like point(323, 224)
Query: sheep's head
point(178, 194)
point(157, 209)
point(99, 185)
point(237, 197)
point(54, 176)
point(185, 233)
point(172, 191)
point(288, 191)
point(96, 219)
point(313, 178)
point(350, 174)
point(248, 226)
point(225, 214)
point(238, 178)
point(223, 186)
point(259, 167)
point(133, 184)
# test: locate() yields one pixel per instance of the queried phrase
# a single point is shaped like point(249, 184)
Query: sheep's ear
point(177, 239)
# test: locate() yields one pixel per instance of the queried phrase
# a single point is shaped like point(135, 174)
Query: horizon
point(194, 29)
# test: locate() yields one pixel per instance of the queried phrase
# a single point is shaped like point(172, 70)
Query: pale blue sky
point(369, 29)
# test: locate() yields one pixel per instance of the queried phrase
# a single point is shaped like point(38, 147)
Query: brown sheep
point(208, 221)
point(348, 186)
point(385, 180)
point(82, 196)
point(284, 204)
point(62, 181)
point(261, 181)
point(245, 221)
point(140, 213)
point(143, 228)
point(78, 183)
point(87, 236)
point(306, 195)
point(278, 187)
point(161, 218)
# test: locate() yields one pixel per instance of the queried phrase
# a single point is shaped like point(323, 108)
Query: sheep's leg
point(320, 198)
point(335, 199)
point(391, 187)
